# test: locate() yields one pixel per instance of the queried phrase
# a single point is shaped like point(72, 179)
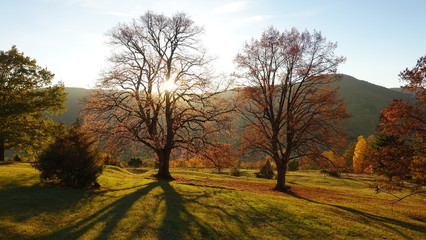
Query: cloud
point(119, 14)
point(250, 20)
point(306, 13)
point(232, 7)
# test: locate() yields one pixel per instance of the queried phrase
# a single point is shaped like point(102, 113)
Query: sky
point(379, 38)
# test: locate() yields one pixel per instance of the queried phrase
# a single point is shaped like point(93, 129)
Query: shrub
point(71, 160)
point(235, 172)
point(266, 171)
point(135, 162)
point(109, 159)
point(17, 158)
point(331, 173)
point(293, 165)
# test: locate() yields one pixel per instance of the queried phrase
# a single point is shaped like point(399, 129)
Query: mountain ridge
point(364, 101)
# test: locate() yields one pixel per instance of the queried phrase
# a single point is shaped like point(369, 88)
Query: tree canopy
point(400, 152)
point(159, 90)
point(26, 96)
point(289, 107)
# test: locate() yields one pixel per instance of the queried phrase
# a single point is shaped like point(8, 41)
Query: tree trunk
point(164, 166)
point(281, 174)
point(1, 150)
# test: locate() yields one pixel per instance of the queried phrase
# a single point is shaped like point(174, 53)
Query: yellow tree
point(336, 160)
point(359, 162)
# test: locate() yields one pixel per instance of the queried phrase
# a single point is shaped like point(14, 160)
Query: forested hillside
point(364, 101)
point(73, 104)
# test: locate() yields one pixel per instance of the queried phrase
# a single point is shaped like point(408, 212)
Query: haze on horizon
point(378, 38)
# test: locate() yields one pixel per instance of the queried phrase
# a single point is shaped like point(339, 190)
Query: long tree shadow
point(25, 202)
point(178, 222)
point(384, 221)
point(110, 215)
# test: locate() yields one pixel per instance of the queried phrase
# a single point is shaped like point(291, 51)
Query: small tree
point(17, 158)
point(293, 165)
point(392, 158)
point(360, 152)
point(219, 155)
point(71, 160)
point(267, 171)
point(348, 155)
point(135, 162)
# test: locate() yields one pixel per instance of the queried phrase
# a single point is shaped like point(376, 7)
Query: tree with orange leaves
point(408, 120)
point(290, 110)
point(400, 151)
point(158, 91)
point(219, 155)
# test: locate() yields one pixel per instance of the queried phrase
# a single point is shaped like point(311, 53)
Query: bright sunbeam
point(169, 85)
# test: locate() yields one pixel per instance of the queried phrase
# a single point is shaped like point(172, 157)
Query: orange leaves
point(289, 110)
point(400, 152)
point(415, 79)
point(219, 154)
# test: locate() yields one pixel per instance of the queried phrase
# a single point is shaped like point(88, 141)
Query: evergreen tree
point(267, 171)
point(73, 159)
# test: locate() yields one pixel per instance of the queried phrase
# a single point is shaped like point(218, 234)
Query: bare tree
point(289, 108)
point(157, 91)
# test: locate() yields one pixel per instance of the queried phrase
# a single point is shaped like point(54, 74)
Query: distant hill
point(364, 101)
point(73, 105)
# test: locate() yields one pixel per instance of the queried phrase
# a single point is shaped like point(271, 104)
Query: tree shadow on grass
point(181, 221)
point(24, 202)
point(137, 170)
point(177, 223)
point(372, 218)
point(110, 215)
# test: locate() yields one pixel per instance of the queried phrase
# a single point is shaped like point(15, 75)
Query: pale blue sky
point(379, 38)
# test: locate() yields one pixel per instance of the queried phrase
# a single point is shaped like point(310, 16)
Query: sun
point(169, 85)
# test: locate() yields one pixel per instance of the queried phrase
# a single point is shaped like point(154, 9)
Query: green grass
point(201, 205)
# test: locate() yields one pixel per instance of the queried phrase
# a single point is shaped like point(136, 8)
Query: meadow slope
point(203, 205)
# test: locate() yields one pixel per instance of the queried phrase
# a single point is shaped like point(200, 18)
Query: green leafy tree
point(26, 95)
point(73, 159)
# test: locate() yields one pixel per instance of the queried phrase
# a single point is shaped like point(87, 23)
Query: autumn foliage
point(219, 155)
point(158, 91)
point(400, 151)
point(290, 110)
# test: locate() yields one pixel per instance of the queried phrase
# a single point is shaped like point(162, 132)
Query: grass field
point(203, 205)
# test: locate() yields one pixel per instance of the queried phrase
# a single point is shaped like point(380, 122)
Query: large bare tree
point(157, 91)
point(289, 107)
